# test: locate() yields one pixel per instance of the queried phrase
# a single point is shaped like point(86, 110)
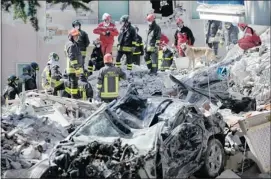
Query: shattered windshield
point(100, 126)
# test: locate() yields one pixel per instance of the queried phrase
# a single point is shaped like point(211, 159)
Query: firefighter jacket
point(127, 38)
point(167, 59)
point(45, 77)
point(213, 31)
point(139, 46)
point(83, 42)
point(10, 91)
point(55, 76)
point(153, 37)
point(74, 58)
point(163, 41)
point(97, 59)
point(231, 35)
point(70, 87)
point(106, 39)
point(28, 81)
point(34, 76)
point(85, 89)
point(108, 81)
point(184, 35)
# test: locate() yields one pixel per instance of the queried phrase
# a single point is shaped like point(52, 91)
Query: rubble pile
point(27, 139)
point(97, 160)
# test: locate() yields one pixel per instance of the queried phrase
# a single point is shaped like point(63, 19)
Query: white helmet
point(106, 17)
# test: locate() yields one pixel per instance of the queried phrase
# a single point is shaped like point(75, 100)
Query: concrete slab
point(228, 174)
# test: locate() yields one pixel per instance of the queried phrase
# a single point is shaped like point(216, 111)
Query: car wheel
point(214, 160)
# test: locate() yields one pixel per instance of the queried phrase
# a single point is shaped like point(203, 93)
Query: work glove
point(107, 33)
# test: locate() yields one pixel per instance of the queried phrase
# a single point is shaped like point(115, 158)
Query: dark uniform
point(96, 60)
point(34, 69)
point(26, 80)
point(139, 49)
point(108, 82)
point(151, 47)
point(55, 77)
point(126, 42)
point(74, 58)
point(213, 37)
point(167, 60)
point(83, 41)
point(11, 90)
point(70, 87)
point(85, 88)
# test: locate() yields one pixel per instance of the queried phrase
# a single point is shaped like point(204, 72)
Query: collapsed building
point(33, 127)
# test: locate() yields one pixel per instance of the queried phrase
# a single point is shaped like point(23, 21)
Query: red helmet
point(108, 58)
point(242, 25)
point(150, 17)
point(74, 32)
point(179, 20)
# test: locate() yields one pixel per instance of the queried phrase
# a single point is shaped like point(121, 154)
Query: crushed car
point(136, 137)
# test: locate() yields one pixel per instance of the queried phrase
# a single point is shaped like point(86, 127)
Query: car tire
point(214, 160)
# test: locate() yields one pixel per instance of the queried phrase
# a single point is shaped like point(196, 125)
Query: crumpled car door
point(181, 151)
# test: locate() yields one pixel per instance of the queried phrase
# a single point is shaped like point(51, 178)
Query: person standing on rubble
point(85, 89)
point(83, 41)
point(214, 38)
point(55, 78)
point(108, 80)
point(26, 80)
point(167, 58)
point(182, 35)
point(163, 41)
point(12, 89)
point(250, 38)
point(139, 48)
point(34, 69)
point(126, 42)
point(152, 44)
point(107, 31)
point(231, 35)
point(72, 51)
point(96, 58)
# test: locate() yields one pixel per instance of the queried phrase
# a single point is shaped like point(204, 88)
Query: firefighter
point(250, 38)
point(45, 76)
point(163, 41)
point(55, 77)
point(167, 59)
point(12, 89)
point(74, 57)
point(183, 34)
point(34, 70)
point(139, 48)
point(26, 80)
point(126, 42)
point(96, 58)
point(83, 41)
point(231, 35)
point(214, 35)
point(107, 31)
point(108, 80)
point(152, 44)
point(85, 89)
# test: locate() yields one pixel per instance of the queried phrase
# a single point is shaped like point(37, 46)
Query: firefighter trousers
point(129, 60)
point(151, 59)
point(136, 59)
point(166, 65)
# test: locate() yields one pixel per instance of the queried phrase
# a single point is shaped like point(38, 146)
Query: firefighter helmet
point(150, 18)
point(12, 78)
point(242, 25)
point(35, 66)
point(124, 18)
point(76, 23)
point(27, 69)
point(106, 17)
point(179, 20)
point(108, 58)
point(53, 56)
point(74, 32)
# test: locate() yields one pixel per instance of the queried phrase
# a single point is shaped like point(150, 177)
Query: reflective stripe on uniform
point(136, 53)
point(73, 62)
point(105, 93)
point(125, 48)
point(99, 86)
point(134, 43)
point(154, 65)
point(84, 93)
point(83, 53)
point(150, 48)
point(157, 41)
point(129, 66)
point(170, 58)
point(118, 64)
point(55, 82)
point(71, 91)
point(90, 68)
point(79, 71)
point(148, 62)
